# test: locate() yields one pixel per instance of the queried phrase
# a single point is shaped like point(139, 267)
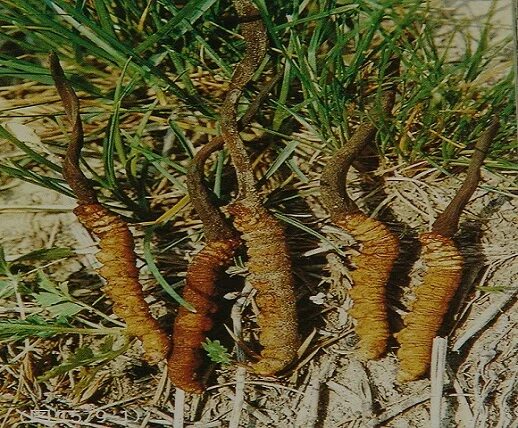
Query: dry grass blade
point(117, 254)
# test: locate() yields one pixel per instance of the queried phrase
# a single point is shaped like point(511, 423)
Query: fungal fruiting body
point(269, 265)
point(379, 247)
point(379, 250)
point(443, 270)
point(117, 254)
point(268, 257)
point(443, 263)
point(190, 328)
point(118, 260)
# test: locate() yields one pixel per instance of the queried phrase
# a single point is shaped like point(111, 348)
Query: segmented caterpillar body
point(117, 252)
point(443, 264)
point(190, 328)
point(380, 248)
point(122, 286)
point(269, 265)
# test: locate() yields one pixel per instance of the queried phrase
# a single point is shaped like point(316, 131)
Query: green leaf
point(46, 283)
point(283, 156)
point(7, 288)
point(56, 299)
point(33, 325)
point(148, 256)
point(85, 356)
point(4, 265)
point(216, 351)
point(66, 309)
point(187, 146)
point(177, 26)
point(46, 254)
point(42, 160)
point(80, 358)
point(47, 299)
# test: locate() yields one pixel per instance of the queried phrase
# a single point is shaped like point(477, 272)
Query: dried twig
point(117, 254)
point(440, 346)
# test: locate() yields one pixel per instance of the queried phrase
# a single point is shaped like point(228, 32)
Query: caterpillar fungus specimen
point(117, 254)
point(190, 328)
point(379, 246)
point(269, 263)
point(443, 263)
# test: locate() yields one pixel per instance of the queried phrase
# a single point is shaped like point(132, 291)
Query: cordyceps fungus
point(269, 262)
point(443, 263)
point(379, 246)
point(117, 254)
point(190, 328)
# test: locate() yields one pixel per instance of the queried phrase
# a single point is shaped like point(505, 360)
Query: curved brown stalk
point(443, 264)
point(117, 252)
point(269, 262)
point(379, 246)
point(190, 328)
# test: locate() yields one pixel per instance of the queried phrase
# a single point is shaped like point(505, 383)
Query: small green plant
point(216, 352)
point(85, 356)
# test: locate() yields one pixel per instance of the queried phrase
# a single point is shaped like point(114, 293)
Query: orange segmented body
point(443, 264)
point(117, 252)
point(190, 328)
point(379, 250)
point(122, 286)
point(269, 265)
point(268, 259)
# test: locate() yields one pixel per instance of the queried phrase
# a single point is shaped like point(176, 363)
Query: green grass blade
point(177, 26)
point(150, 261)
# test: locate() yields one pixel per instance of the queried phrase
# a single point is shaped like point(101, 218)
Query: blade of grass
point(150, 261)
point(189, 13)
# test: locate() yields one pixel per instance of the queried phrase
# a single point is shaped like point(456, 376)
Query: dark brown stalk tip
point(447, 223)
point(71, 170)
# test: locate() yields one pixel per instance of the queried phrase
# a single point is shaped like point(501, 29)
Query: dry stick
point(443, 263)
point(380, 247)
point(117, 254)
point(269, 262)
point(190, 328)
